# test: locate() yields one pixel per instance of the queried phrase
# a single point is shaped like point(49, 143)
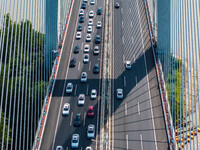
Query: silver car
point(75, 141)
point(81, 99)
point(91, 131)
point(69, 88)
point(83, 77)
point(119, 93)
point(66, 109)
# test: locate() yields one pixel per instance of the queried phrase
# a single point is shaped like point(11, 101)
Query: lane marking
point(81, 148)
point(122, 10)
point(132, 40)
point(84, 29)
point(90, 65)
point(141, 142)
point(86, 15)
point(123, 58)
point(124, 81)
point(127, 141)
point(138, 108)
point(84, 119)
point(134, 58)
point(136, 80)
point(82, 46)
point(79, 65)
point(75, 89)
point(67, 148)
point(122, 24)
point(87, 89)
point(130, 10)
point(71, 119)
point(123, 39)
point(147, 80)
point(131, 24)
point(125, 108)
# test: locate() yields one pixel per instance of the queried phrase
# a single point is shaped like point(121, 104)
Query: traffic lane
point(48, 135)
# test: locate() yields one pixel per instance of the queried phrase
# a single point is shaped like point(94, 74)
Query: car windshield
point(66, 108)
point(74, 141)
point(93, 93)
point(68, 87)
point(90, 111)
point(90, 131)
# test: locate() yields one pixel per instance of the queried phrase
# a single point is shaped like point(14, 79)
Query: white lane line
point(124, 81)
point(87, 89)
point(127, 141)
point(125, 105)
point(81, 148)
point(75, 89)
point(138, 108)
point(122, 39)
point(131, 24)
point(84, 119)
point(122, 10)
point(130, 10)
point(67, 148)
point(123, 58)
point(84, 29)
point(134, 58)
point(132, 40)
point(71, 119)
point(86, 15)
point(82, 46)
point(141, 142)
point(122, 24)
point(79, 65)
point(89, 65)
point(136, 80)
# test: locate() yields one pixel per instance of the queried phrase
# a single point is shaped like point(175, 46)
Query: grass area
point(174, 89)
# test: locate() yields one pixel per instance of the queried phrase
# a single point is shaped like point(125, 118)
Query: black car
point(83, 6)
point(116, 5)
point(76, 49)
point(77, 121)
point(99, 11)
point(72, 62)
point(97, 39)
point(81, 19)
point(96, 68)
point(79, 28)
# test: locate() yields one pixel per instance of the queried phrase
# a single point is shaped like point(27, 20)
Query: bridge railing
point(162, 86)
point(44, 113)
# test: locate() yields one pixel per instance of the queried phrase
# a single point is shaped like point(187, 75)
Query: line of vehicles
point(83, 79)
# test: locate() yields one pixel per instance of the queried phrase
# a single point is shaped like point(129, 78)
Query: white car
point(66, 109)
point(86, 48)
point(93, 94)
point(88, 148)
point(86, 58)
point(128, 65)
point(88, 37)
point(83, 77)
point(89, 29)
point(90, 22)
point(91, 14)
point(69, 88)
point(91, 131)
point(96, 50)
point(81, 13)
point(92, 2)
point(99, 25)
point(75, 141)
point(81, 99)
point(59, 148)
point(78, 35)
point(119, 93)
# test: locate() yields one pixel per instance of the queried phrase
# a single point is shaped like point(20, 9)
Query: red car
point(90, 111)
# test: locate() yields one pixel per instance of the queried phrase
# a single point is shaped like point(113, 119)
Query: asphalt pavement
point(138, 122)
point(59, 129)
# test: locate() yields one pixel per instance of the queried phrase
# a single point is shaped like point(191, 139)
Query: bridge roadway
point(138, 122)
point(138, 119)
point(59, 129)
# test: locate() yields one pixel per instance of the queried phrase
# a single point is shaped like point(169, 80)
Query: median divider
point(44, 113)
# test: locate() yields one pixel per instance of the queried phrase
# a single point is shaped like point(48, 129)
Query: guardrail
point(44, 113)
point(162, 88)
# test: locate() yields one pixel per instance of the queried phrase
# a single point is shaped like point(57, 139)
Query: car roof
point(94, 90)
point(90, 107)
point(119, 90)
